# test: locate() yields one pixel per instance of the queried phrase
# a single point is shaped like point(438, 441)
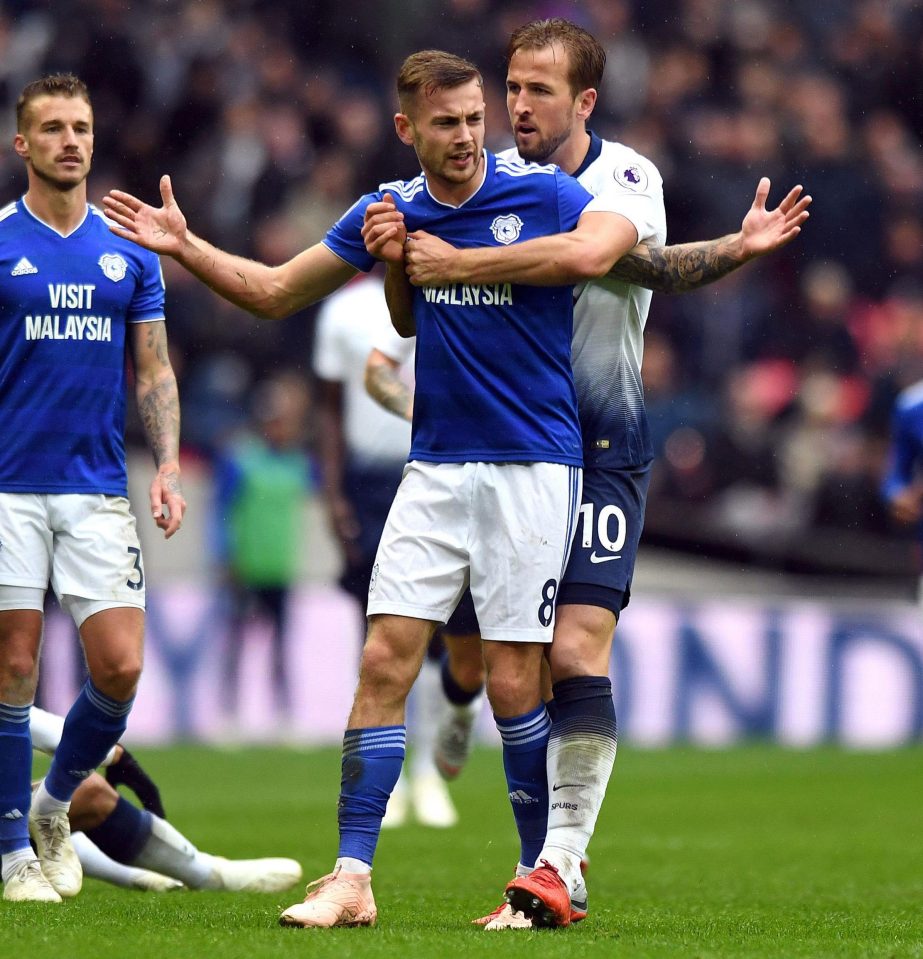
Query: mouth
point(70, 160)
point(461, 159)
point(524, 129)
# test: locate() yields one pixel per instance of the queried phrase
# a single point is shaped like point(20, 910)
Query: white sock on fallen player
point(169, 852)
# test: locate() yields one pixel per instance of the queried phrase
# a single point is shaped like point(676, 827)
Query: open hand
point(161, 230)
point(766, 230)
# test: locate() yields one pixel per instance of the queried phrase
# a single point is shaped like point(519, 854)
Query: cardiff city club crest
point(113, 266)
point(632, 177)
point(506, 229)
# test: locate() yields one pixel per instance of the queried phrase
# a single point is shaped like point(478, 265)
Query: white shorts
point(502, 528)
point(84, 544)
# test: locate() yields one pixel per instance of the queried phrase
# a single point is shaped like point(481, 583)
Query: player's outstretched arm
point(158, 404)
point(384, 385)
point(270, 292)
point(588, 251)
point(689, 266)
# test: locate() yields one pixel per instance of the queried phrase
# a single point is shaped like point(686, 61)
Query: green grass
point(752, 851)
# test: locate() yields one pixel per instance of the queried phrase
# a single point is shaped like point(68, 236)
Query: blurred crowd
point(770, 393)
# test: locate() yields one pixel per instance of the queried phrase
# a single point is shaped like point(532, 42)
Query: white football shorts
point(503, 528)
point(85, 544)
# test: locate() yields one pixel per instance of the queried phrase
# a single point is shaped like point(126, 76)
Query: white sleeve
point(635, 191)
point(329, 360)
point(46, 730)
point(395, 347)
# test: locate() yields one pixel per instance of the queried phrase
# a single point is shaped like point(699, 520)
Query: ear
point(20, 146)
point(586, 103)
point(404, 128)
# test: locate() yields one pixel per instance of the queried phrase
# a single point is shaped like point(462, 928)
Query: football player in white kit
point(554, 71)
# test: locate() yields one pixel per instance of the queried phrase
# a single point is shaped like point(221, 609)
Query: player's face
point(447, 131)
point(543, 110)
point(57, 140)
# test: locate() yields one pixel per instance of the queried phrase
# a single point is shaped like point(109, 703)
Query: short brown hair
point(586, 56)
point(432, 70)
point(54, 85)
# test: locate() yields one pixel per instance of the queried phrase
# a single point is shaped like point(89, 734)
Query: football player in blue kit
point(493, 483)
point(902, 487)
point(554, 71)
point(72, 298)
point(445, 124)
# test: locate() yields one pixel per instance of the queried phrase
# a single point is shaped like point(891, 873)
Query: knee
point(119, 678)
point(383, 669)
point(92, 803)
point(511, 693)
point(19, 667)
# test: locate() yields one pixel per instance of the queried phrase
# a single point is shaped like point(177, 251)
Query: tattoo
point(679, 268)
point(243, 278)
point(159, 409)
point(157, 342)
point(386, 387)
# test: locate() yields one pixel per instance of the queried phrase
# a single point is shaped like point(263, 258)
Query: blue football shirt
point(492, 367)
point(64, 306)
point(906, 453)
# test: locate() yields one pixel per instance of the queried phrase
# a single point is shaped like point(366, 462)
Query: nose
point(520, 106)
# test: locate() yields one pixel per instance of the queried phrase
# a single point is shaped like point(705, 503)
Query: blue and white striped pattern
point(375, 741)
point(8, 210)
point(525, 730)
point(575, 479)
point(17, 715)
point(519, 168)
point(105, 704)
point(405, 189)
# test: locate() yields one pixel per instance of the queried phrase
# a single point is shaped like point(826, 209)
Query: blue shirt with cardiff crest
point(493, 371)
point(65, 303)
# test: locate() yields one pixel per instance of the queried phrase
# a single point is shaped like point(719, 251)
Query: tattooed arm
point(158, 404)
point(688, 266)
point(384, 385)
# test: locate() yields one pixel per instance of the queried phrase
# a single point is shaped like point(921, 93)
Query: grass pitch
point(748, 852)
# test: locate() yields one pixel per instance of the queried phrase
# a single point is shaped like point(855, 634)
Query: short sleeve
point(344, 238)
point(572, 200)
point(147, 303)
point(635, 191)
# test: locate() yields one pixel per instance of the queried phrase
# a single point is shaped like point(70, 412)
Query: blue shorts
point(602, 558)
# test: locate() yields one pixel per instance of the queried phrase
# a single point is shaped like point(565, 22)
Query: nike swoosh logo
point(554, 789)
point(603, 559)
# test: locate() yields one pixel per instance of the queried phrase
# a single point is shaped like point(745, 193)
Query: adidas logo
point(23, 267)
point(521, 797)
point(13, 814)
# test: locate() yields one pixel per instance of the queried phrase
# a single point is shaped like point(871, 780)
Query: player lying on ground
point(138, 848)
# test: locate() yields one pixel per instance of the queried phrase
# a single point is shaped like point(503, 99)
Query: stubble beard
point(544, 149)
point(62, 186)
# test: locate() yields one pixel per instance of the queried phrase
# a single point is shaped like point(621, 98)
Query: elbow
point(593, 264)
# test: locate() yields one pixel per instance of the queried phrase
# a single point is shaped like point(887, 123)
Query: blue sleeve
point(147, 303)
point(902, 458)
point(344, 238)
point(572, 198)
